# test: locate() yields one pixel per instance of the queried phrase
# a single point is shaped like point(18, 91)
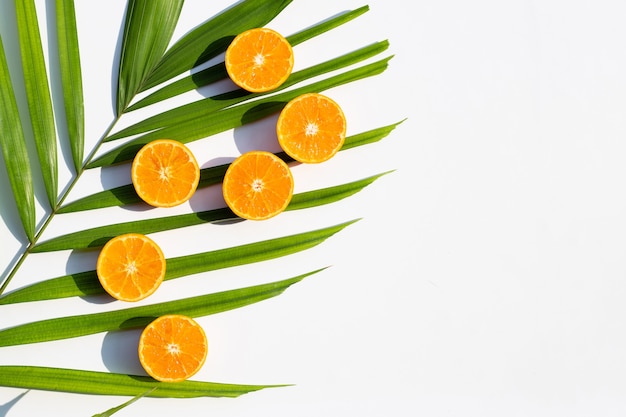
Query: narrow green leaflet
point(113, 410)
point(370, 136)
point(135, 317)
point(86, 283)
point(126, 194)
point(14, 150)
point(211, 38)
point(206, 108)
point(237, 116)
point(218, 71)
point(38, 95)
point(328, 24)
point(71, 78)
point(148, 29)
point(98, 236)
point(107, 383)
point(331, 194)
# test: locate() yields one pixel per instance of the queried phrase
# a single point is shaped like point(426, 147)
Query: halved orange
point(311, 128)
point(165, 173)
point(259, 60)
point(172, 348)
point(130, 267)
point(257, 185)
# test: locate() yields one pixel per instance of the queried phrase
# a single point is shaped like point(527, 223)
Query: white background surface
point(487, 275)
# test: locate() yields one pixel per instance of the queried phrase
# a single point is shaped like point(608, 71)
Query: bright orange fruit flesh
point(165, 173)
point(259, 60)
point(130, 267)
point(311, 128)
point(258, 185)
point(172, 348)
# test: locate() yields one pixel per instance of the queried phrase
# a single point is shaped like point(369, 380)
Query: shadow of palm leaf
point(4, 408)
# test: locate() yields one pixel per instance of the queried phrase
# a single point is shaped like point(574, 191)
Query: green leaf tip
point(113, 410)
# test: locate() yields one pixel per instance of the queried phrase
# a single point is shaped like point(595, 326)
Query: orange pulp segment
point(311, 128)
point(165, 173)
point(259, 60)
point(172, 348)
point(130, 267)
point(257, 185)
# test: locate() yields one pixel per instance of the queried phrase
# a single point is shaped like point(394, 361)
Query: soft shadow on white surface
point(257, 136)
point(119, 352)
point(6, 407)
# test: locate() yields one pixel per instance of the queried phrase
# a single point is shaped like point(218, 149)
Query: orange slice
point(257, 185)
point(259, 60)
point(130, 267)
point(172, 348)
point(165, 173)
point(311, 128)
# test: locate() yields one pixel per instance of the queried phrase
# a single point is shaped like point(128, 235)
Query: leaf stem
point(58, 205)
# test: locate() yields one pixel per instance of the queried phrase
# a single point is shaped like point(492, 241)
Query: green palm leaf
point(209, 39)
point(107, 383)
point(14, 150)
point(189, 130)
point(130, 318)
point(38, 95)
point(206, 108)
point(146, 62)
point(126, 194)
point(86, 283)
point(98, 236)
point(148, 30)
point(218, 72)
point(71, 78)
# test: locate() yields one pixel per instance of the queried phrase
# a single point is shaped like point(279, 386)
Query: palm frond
point(147, 61)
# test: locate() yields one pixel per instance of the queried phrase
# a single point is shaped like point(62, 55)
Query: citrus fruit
point(311, 128)
point(259, 60)
point(257, 185)
point(165, 173)
point(172, 348)
point(130, 267)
